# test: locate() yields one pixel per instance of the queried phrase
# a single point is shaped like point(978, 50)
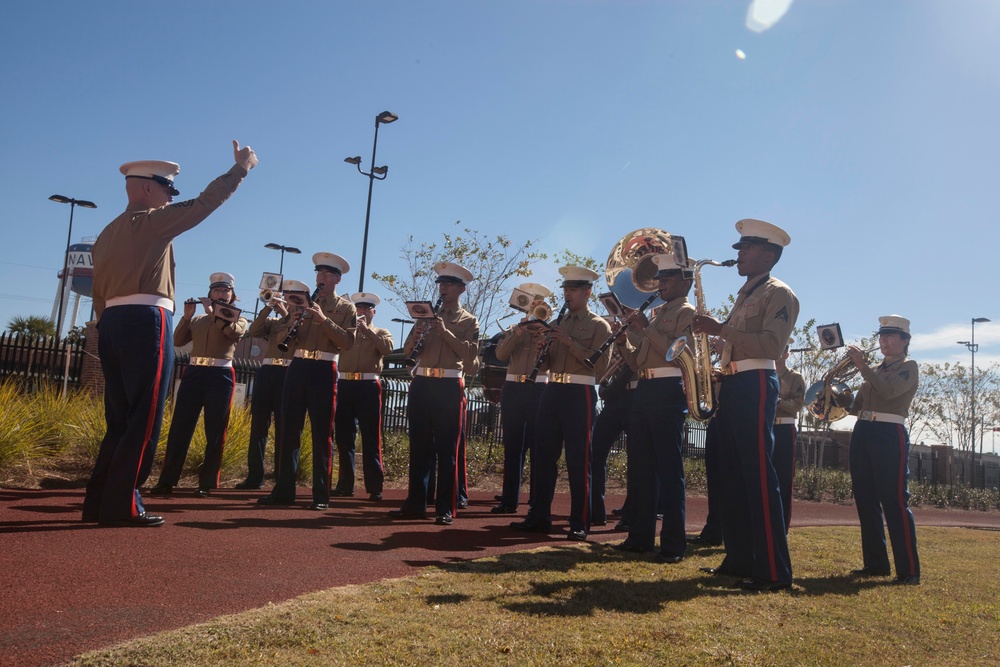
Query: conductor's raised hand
point(245, 157)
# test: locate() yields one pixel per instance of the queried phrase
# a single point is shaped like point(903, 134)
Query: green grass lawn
point(588, 604)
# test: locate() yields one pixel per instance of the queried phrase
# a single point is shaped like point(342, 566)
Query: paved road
point(67, 587)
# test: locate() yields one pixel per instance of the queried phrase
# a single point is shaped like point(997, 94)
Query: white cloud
point(763, 14)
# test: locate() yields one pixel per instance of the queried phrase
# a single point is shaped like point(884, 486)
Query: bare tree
point(493, 261)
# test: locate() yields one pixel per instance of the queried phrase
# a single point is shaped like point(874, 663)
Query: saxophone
point(696, 367)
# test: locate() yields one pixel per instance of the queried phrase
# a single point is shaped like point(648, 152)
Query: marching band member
point(326, 328)
point(208, 383)
point(754, 336)
point(519, 403)
point(880, 448)
point(567, 405)
point(134, 299)
point(445, 345)
point(359, 401)
point(616, 389)
point(656, 434)
point(268, 383)
point(791, 400)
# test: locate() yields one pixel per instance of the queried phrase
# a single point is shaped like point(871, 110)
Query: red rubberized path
point(67, 587)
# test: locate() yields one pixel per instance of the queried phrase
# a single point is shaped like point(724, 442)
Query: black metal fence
point(38, 360)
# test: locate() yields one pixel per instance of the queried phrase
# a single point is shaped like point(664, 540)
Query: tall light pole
point(379, 173)
point(73, 203)
point(283, 248)
point(402, 323)
point(973, 348)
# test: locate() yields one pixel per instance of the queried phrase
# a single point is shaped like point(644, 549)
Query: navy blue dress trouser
point(783, 459)
point(136, 347)
point(359, 407)
point(265, 402)
point(518, 408)
point(879, 475)
point(656, 437)
point(211, 389)
point(565, 417)
point(753, 520)
point(611, 422)
point(310, 387)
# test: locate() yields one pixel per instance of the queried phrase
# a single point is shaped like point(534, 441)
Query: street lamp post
point(283, 248)
point(379, 173)
point(973, 348)
point(402, 323)
point(73, 203)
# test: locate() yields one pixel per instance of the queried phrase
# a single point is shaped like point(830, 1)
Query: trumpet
point(418, 346)
point(543, 352)
point(696, 367)
point(830, 399)
point(540, 311)
point(592, 360)
point(269, 297)
point(294, 330)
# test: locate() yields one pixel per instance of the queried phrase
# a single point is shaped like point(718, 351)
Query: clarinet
point(591, 361)
point(294, 331)
point(543, 353)
point(411, 360)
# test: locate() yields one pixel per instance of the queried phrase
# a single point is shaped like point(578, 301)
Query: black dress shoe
point(161, 490)
point(273, 500)
point(704, 542)
point(870, 572)
point(463, 503)
point(406, 514)
point(617, 511)
point(599, 522)
point(341, 493)
point(669, 559)
point(717, 571)
point(443, 519)
point(246, 484)
point(622, 526)
point(143, 520)
point(498, 497)
point(319, 507)
point(631, 547)
point(760, 586)
point(202, 493)
point(577, 535)
point(375, 496)
point(503, 509)
point(904, 580)
point(529, 526)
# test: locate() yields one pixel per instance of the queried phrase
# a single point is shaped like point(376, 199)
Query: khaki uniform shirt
point(273, 331)
point(520, 351)
point(792, 393)
point(135, 255)
point(365, 356)
point(888, 388)
point(457, 351)
point(760, 324)
point(671, 320)
point(336, 334)
point(588, 331)
point(210, 336)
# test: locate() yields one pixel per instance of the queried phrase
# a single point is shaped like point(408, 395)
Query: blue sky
point(867, 130)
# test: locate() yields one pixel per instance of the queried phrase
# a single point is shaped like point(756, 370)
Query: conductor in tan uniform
point(134, 301)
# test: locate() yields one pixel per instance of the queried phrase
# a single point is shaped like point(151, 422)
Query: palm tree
point(32, 325)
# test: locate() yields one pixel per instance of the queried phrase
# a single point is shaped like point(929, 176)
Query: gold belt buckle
point(435, 373)
point(354, 376)
point(645, 374)
point(311, 354)
point(201, 361)
point(561, 378)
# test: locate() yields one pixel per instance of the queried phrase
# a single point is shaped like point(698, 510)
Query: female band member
point(880, 446)
point(207, 382)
